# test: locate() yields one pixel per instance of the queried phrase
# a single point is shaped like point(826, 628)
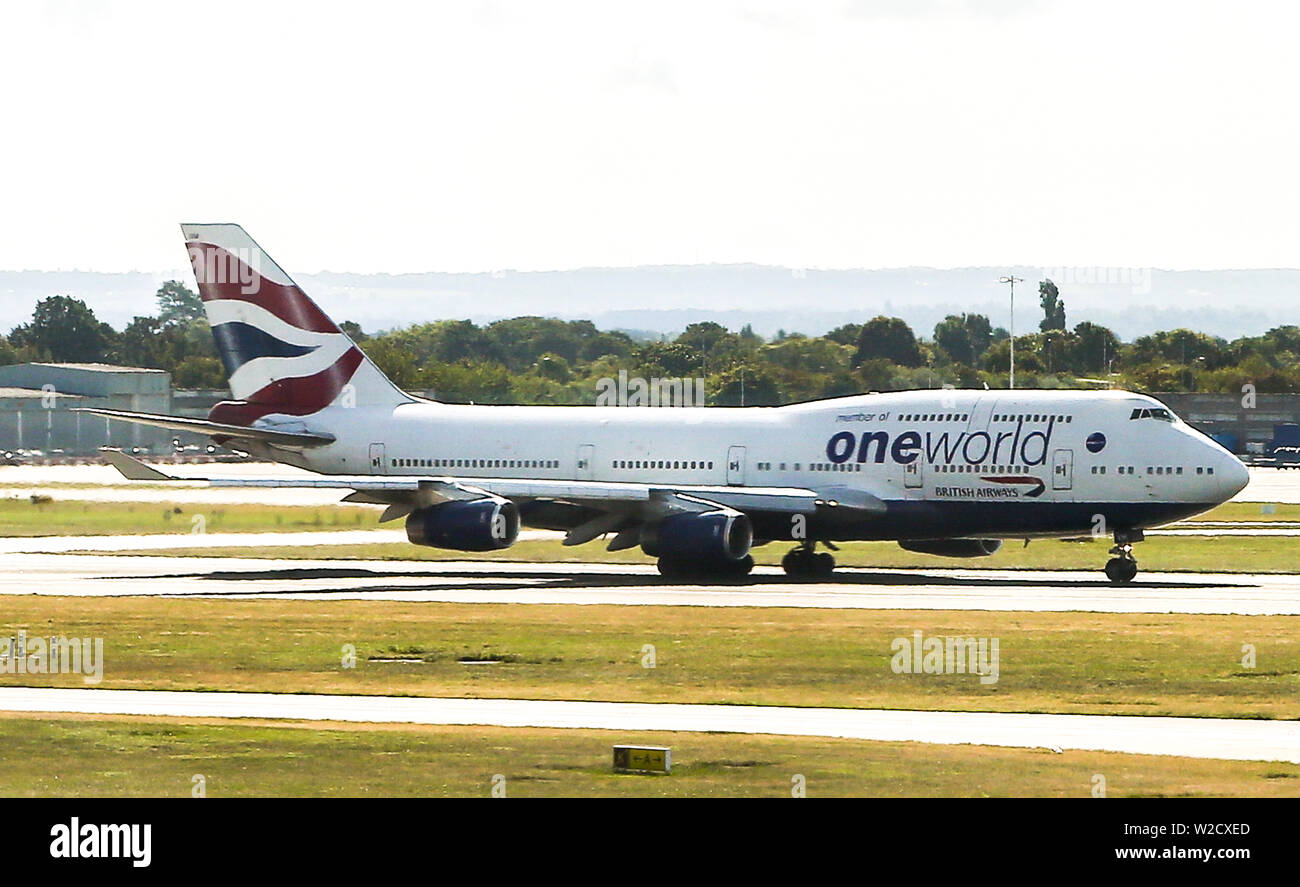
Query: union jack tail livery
point(282, 354)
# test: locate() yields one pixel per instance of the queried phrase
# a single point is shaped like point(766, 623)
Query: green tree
point(65, 330)
point(353, 331)
point(608, 344)
point(553, 367)
point(1094, 349)
point(1053, 306)
point(198, 371)
point(178, 304)
point(745, 385)
point(714, 346)
point(888, 338)
point(667, 359)
point(142, 344)
point(846, 335)
point(396, 362)
point(964, 339)
point(471, 382)
point(520, 341)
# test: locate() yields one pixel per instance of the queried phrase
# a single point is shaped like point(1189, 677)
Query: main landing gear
point(1123, 567)
point(804, 563)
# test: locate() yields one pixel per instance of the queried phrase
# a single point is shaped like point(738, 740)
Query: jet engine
point(487, 524)
point(723, 536)
point(953, 547)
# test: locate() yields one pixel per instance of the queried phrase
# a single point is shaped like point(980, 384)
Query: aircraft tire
point(1121, 570)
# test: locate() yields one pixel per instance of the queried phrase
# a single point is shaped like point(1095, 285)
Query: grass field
point(1139, 664)
point(88, 756)
point(23, 517)
point(1097, 663)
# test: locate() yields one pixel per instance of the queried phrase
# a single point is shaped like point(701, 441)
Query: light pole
point(1013, 280)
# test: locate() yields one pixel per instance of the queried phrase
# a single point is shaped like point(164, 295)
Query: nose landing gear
point(1123, 567)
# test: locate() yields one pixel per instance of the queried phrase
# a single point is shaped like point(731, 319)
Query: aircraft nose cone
point(1233, 476)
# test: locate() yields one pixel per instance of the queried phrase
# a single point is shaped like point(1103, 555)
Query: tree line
point(540, 360)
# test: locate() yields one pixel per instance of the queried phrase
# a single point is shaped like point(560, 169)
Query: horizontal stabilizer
point(131, 468)
point(219, 429)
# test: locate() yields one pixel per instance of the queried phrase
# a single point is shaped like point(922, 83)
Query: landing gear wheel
point(739, 569)
point(823, 565)
point(1121, 569)
point(802, 563)
point(674, 568)
point(682, 568)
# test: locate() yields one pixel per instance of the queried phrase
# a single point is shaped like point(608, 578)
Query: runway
point(1242, 740)
point(520, 583)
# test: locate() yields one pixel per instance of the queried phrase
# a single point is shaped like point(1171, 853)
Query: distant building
point(37, 402)
point(1240, 424)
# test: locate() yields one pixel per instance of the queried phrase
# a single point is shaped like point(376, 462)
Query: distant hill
point(664, 299)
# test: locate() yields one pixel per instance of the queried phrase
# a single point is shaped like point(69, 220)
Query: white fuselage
point(975, 453)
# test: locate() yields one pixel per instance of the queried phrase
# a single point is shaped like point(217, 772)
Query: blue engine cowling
point(477, 525)
point(724, 536)
point(953, 547)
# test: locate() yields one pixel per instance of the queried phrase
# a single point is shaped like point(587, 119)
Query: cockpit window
point(1153, 413)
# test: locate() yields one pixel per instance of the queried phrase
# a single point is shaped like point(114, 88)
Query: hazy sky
point(481, 136)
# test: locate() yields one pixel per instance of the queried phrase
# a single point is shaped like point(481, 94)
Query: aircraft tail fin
point(281, 353)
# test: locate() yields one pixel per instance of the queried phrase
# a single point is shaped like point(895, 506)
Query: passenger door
point(1063, 469)
point(378, 464)
point(912, 475)
point(586, 453)
point(736, 466)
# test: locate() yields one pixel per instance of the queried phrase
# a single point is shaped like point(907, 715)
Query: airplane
point(949, 472)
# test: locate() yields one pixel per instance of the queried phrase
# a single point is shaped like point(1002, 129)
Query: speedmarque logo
point(90, 841)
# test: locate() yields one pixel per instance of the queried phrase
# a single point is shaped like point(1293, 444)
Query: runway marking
point(1224, 738)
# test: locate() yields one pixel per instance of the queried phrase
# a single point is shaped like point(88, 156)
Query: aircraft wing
point(621, 500)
